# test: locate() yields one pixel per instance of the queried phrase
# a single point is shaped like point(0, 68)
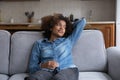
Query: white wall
point(102, 10)
point(118, 23)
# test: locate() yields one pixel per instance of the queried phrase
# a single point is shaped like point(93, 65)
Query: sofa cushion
point(19, 76)
point(4, 77)
point(4, 51)
point(82, 76)
point(93, 76)
point(21, 44)
point(89, 52)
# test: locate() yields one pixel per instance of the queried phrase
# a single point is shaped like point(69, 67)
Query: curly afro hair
point(51, 20)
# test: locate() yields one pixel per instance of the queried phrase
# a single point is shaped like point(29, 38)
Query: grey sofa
point(89, 53)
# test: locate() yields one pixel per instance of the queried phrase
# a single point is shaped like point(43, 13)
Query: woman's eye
point(58, 24)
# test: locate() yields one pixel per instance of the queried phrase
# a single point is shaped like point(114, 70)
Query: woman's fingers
point(50, 64)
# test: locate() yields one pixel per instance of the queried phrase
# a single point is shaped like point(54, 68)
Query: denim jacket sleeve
point(78, 27)
point(34, 58)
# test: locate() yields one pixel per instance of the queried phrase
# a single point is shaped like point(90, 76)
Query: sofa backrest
point(88, 52)
point(21, 44)
point(4, 51)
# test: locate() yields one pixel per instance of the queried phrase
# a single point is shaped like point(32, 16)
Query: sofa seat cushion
point(94, 76)
point(3, 77)
point(19, 76)
point(82, 76)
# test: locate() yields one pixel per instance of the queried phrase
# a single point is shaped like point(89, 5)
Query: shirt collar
point(57, 40)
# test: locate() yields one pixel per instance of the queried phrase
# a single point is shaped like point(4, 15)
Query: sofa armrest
point(114, 62)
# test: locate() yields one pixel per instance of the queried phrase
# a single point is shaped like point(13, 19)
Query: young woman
point(51, 57)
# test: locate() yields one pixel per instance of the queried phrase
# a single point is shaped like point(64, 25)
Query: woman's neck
point(53, 38)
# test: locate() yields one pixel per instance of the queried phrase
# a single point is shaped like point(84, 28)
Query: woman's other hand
point(49, 65)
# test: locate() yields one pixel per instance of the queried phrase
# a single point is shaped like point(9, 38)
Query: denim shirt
point(59, 50)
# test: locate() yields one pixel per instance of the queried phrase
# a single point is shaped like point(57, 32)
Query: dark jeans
point(66, 74)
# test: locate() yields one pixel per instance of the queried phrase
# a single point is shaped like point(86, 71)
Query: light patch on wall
point(45, 7)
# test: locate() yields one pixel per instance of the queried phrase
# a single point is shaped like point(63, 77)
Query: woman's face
point(59, 29)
